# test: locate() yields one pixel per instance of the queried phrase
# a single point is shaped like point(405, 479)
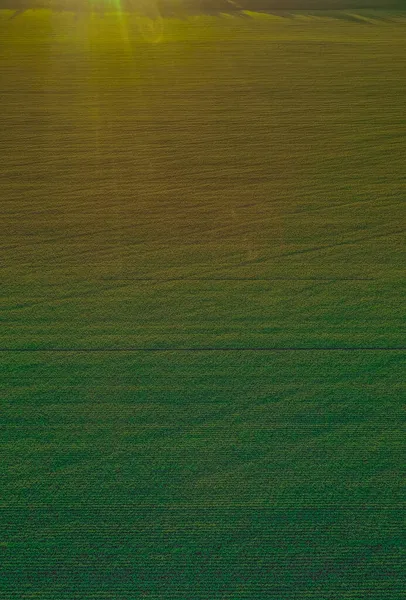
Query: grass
point(202, 306)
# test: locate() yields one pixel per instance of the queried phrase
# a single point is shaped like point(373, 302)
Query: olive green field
point(202, 339)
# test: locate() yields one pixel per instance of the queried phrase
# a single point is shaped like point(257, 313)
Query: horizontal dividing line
point(168, 279)
point(209, 349)
point(208, 506)
point(197, 428)
point(263, 387)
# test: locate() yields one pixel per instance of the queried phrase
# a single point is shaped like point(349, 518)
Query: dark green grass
point(230, 475)
point(169, 190)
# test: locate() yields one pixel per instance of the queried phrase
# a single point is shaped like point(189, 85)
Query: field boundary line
point(168, 279)
point(209, 349)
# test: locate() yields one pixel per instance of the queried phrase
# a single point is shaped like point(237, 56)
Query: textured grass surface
point(169, 190)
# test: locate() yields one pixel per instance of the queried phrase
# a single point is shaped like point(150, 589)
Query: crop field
point(202, 340)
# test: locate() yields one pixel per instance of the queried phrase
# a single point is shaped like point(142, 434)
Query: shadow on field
point(340, 9)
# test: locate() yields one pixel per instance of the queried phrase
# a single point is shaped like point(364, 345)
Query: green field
point(202, 339)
